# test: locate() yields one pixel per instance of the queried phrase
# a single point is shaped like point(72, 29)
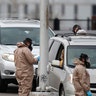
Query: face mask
point(30, 47)
point(88, 60)
point(87, 63)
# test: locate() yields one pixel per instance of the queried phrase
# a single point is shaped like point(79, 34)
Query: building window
point(50, 8)
point(62, 9)
point(0, 10)
point(26, 9)
point(9, 10)
point(94, 10)
point(50, 11)
point(37, 11)
point(75, 11)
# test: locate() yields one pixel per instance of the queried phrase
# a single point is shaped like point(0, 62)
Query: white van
point(60, 78)
point(11, 32)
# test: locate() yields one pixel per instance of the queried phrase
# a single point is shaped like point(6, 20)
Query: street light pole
point(43, 77)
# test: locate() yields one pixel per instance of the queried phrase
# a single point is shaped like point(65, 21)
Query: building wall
point(61, 9)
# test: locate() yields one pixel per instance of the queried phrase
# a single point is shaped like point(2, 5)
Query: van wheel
point(3, 85)
point(61, 91)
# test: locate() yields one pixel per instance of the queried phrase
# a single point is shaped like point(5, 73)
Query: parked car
point(60, 77)
point(11, 32)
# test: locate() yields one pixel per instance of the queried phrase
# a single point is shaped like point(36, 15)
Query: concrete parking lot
point(13, 91)
point(33, 94)
point(44, 94)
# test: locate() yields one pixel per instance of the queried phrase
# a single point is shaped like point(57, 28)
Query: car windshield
point(10, 36)
point(75, 51)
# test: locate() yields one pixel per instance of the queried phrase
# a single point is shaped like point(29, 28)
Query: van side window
point(51, 41)
point(60, 55)
point(53, 50)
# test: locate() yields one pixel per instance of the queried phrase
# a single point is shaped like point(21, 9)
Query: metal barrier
point(67, 24)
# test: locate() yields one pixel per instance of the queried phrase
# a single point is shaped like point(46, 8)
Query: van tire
point(3, 85)
point(61, 91)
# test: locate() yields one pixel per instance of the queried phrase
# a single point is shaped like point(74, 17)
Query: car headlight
point(8, 57)
point(9, 72)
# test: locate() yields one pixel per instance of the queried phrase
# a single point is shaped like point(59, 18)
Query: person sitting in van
point(81, 78)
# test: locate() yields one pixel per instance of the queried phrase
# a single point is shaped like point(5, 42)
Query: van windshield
point(12, 35)
point(75, 51)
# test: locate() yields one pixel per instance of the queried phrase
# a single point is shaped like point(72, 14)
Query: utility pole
point(43, 78)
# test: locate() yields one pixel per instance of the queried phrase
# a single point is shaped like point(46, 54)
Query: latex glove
point(38, 58)
point(89, 93)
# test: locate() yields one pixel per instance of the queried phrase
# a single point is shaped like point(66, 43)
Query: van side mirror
point(56, 63)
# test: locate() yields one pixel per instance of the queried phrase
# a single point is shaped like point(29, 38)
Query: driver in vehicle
point(62, 58)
